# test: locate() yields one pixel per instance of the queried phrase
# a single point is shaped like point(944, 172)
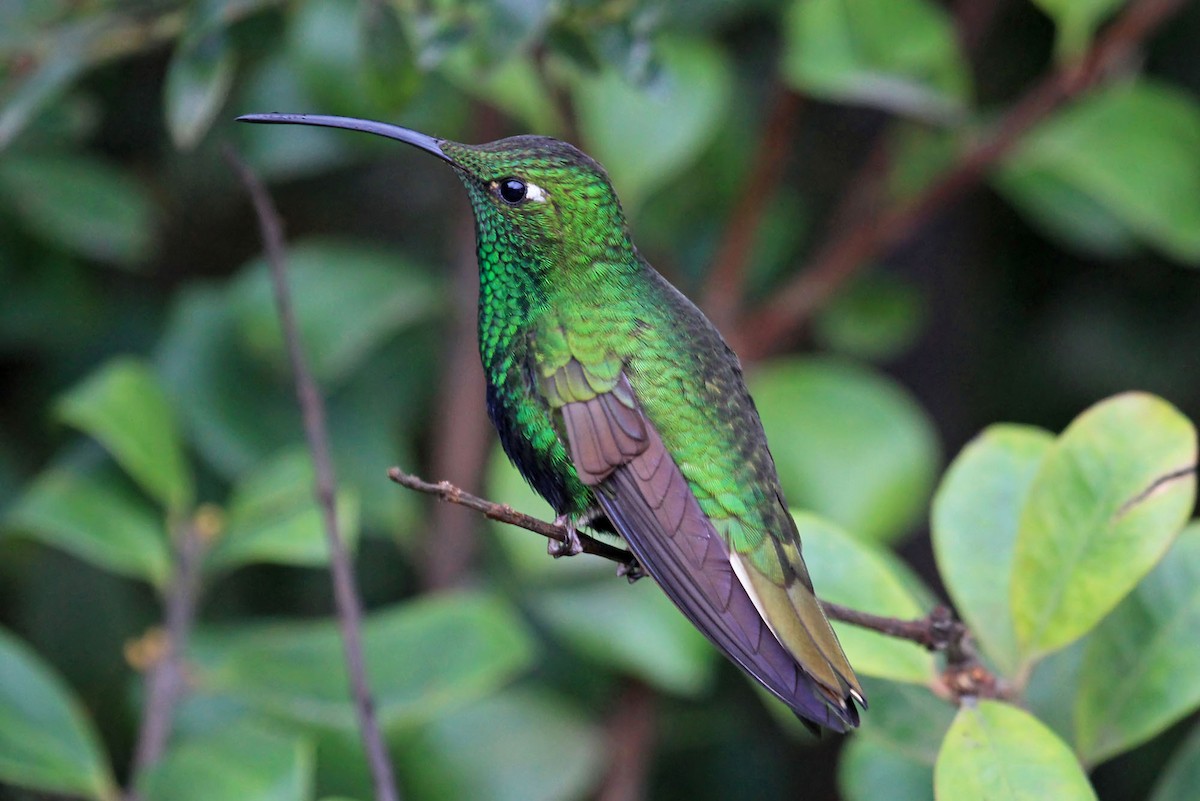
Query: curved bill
point(423, 141)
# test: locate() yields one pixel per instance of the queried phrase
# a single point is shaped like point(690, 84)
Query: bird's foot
point(571, 545)
point(631, 570)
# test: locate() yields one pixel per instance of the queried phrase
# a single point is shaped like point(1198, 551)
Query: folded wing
point(617, 450)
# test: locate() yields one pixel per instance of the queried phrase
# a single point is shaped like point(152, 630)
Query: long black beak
point(423, 141)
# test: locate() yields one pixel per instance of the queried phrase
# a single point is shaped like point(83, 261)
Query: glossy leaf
point(93, 516)
point(273, 517)
point(901, 55)
point(675, 116)
point(1095, 521)
point(870, 770)
point(422, 657)
point(245, 762)
point(1181, 776)
point(865, 578)
point(634, 629)
point(909, 720)
point(976, 513)
point(348, 299)
point(1051, 689)
point(198, 78)
point(850, 444)
point(124, 407)
point(1133, 150)
point(997, 752)
point(1141, 671)
point(473, 753)
point(81, 205)
point(46, 741)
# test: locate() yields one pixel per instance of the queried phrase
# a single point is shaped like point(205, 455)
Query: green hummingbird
point(620, 403)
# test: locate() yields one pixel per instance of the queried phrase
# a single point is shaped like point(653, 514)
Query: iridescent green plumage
point(621, 404)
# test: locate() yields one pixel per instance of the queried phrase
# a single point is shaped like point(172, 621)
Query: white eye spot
point(535, 193)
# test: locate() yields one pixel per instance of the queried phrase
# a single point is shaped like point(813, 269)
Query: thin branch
point(459, 437)
point(938, 631)
point(725, 284)
point(630, 739)
point(772, 327)
point(506, 514)
point(162, 651)
point(312, 407)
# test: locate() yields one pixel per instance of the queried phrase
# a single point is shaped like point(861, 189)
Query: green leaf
point(245, 762)
point(635, 629)
point(866, 578)
point(199, 76)
point(92, 515)
point(1065, 211)
point(348, 299)
point(976, 513)
point(237, 413)
point(389, 63)
point(1141, 671)
point(274, 517)
point(513, 85)
point(474, 753)
point(81, 205)
point(1050, 691)
point(1133, 150)
point(675, 115)
point(870, 770)
point(1077, 20)
point(124, 407)
point(46, 741)
point(1095, 520)
point(422, 657)
point(900, 55)
point(849, 443)
point(325, 49)
point(909, 720)
point(25, 96)
point(877, 317)
point(997, 752)
point(1179, 780)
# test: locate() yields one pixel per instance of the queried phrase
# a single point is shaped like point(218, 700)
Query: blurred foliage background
point(913, 218)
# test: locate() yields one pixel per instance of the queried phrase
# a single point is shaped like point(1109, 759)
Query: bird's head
point(533, 195)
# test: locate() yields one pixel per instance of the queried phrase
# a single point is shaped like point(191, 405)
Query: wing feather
point(645, 495)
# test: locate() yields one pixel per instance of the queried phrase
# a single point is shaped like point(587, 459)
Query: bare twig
point(166, 677)
point(630, 736)
point(459, 438)
point(313, 410)
point(506, 514)
point(772, 327)
point(938, 631)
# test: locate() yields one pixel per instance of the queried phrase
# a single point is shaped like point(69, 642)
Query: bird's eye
point(512, 190)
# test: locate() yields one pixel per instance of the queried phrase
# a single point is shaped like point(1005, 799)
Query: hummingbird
point(621, 404)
